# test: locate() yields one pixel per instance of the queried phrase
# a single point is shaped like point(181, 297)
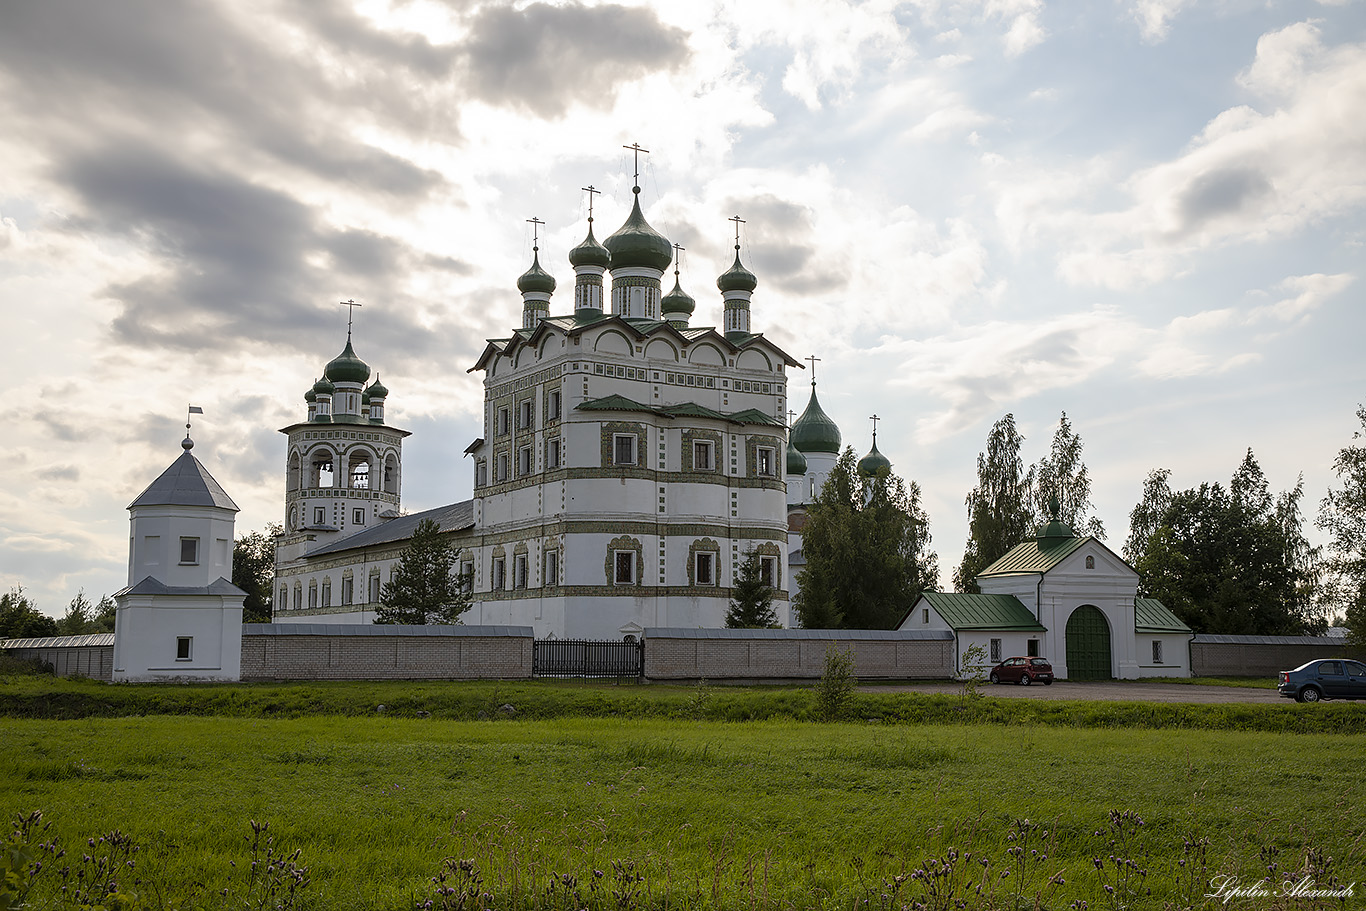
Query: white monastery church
point(629, 461)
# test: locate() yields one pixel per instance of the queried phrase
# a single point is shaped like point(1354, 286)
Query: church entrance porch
point(1088, 645)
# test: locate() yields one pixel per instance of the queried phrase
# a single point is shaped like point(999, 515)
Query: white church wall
point(150, 636)
point(155, 546)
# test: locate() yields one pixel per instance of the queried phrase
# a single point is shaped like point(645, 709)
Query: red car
point(1023, 671)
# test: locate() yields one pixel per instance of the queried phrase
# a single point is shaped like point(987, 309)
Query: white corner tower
point(180, 616)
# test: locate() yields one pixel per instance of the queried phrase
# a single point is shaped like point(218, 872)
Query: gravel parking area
point(1110, 690)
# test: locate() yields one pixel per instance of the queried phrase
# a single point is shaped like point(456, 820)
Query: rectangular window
point(524, 413)
point(298, 598)
point(519, 571)
point(498, 578)
point(312, 596)
point(768, 571)
point(184, 646)
point(706, 569)
point(552, 454)
point(502, 421)
point(467, 577)
point(702, 456)
point(481, 473)
point(502, 467)
point(553, 405)
point(1157, 651)
point(327, 594)
point(357, 517)
point(996, 651)
point(319, 515)
point(624, 562)
point(189, 551)
point(348, 591)
point(925, 615)
point(374, 589)
point(764, 458)
point(284, 597)
point(623, 449)
point(1032, 648)
point(524, 462)
point(552, 567)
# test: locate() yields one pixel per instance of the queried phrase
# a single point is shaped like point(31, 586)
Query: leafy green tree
point(1063, 474)
point(80, 617)
point(104, 614)
point(21, 619)
point(1146, 516)
point(866, 543)
point(253, 571)
point(1000, 507)
point(751, 604)
point(1231, 560)
point(1342, 513)
point(423, 589)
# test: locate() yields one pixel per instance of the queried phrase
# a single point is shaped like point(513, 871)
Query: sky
point(1148, 214)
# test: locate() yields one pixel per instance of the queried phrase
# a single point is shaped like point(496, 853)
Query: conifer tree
point(1342, 514)
point(751, 604)
point(423, 588)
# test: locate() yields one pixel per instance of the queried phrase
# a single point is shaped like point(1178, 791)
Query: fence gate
point(585, 658)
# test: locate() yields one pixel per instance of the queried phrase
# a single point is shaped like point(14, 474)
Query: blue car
point(1328, 678)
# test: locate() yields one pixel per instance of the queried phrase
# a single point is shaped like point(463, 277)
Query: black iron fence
point(584, 658)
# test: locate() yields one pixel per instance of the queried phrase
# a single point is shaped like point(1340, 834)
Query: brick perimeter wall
point(344, 657)
point(669, 658)
point(1259, 659)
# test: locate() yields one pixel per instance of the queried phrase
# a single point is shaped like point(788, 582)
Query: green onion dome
point(796, 462)
point(677, 300)
point(377, 390)
point(590, 252)
point(814, 431)
point(737, 277)
point(365, 398)
point(873, 462)
point(1056, 530)
point(323, 387)
point(536, 278)
point(346, 367)
point(310, 396)
point(637, 244)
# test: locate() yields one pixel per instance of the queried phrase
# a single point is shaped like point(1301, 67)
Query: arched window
point(321, 474)
point(360, 472)
point(391, 473)
point(295, 479)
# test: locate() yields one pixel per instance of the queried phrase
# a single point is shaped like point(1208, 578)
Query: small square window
point(624, 562)
point(706, 569)
point(623, 449)
point(319, 515)
point(184, 648)
point(702, 456)
point(357, 517)
point(189, 551)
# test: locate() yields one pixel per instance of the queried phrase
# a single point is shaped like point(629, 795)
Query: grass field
point(672, 812)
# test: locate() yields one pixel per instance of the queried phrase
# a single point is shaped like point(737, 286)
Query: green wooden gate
point(1088, 645)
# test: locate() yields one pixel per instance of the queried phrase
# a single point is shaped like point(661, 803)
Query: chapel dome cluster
point(341, 396)
point(637, 256)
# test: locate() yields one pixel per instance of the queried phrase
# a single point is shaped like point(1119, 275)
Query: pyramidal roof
point(185, 483)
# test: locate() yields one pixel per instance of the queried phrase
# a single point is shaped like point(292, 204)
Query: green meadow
point(639, 798)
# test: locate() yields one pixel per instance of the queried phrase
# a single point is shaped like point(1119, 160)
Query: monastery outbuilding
point(1067, 598)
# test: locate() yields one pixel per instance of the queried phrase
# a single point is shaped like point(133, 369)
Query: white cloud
point(1306, 294)
point(1154, 17)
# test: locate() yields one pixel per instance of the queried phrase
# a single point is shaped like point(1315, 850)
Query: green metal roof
point(1152, 616)
point(682, 409)
point(962, 611)
point(1034, 557)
